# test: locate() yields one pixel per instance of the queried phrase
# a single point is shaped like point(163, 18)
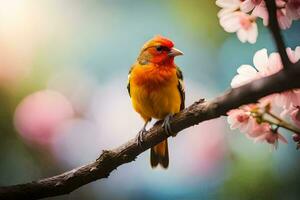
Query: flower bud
point(296, 137)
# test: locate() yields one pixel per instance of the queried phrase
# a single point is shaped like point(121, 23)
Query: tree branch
point(194, 114)
point(276, 33)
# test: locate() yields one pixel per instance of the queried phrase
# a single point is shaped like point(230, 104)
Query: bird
point(156, 89)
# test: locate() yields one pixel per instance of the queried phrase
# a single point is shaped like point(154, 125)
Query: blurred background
point(63, 99)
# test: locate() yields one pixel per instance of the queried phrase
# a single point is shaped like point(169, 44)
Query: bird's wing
point(128, 81)
point(180, 87)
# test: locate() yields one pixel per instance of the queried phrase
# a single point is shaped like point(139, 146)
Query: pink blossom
point(294, 56)
point(289, 98)
point(265, 65)
point(295, 115)
point(249, 5)
point(243, 24)
point(243, 120)
point(270, 137)
point(258, 130)
point(248, 73)
point(233, 20)
point(240, 16)
point(264, 133)
point(228, 7)
point(261, 11)
point(228, 4)
point(244, 117)
point(296, 138)
point(283, 19)
point(293, 9)
point(240, 119)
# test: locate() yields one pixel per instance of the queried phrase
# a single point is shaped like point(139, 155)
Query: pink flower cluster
point(248, 118)
point(240, 16)
point(244, 119)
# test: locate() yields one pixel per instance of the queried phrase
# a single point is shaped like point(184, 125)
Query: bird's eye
point(159, 48)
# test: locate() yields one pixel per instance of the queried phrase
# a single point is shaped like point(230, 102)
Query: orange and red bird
point(155, 86)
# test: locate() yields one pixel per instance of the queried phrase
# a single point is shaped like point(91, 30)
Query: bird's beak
point(175, 52)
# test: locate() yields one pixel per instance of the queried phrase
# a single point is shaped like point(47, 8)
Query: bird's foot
point(140, 137)
point(167, 126)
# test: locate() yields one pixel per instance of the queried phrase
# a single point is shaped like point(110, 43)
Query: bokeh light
point(40, 114)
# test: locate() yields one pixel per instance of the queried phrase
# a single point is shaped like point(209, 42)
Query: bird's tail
point(160, 155)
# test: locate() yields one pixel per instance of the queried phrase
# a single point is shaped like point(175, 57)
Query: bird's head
point(159, 50)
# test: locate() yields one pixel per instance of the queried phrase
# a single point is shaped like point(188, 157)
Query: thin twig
point(276, 33)
point(282, 123)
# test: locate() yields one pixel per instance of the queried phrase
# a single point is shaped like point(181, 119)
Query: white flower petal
point(230, 23)
point(252, 33)
point(236, 81)
point(228, 3)
point(294, 56)
point(239, 80)
point(284, 113)
point(247, 70)
point(274, 64)
point(260, 59)
point(261, 11)
point(247, 6)
point(242, 35)
point(290, 53)
point(297, 53)
point(225, 11)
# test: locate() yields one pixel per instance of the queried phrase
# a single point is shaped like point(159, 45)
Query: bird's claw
point(141, 134)
point(167, 126)
point(140, 137)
